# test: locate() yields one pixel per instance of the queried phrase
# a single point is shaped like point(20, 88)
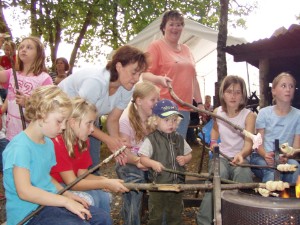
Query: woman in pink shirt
point(172, 61)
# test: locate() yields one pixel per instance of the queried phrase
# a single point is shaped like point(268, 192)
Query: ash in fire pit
point(249, 208)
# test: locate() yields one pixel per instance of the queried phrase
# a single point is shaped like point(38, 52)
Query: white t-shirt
point(92, 84)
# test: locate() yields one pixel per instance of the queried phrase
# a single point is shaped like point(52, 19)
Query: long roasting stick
point(190, 187)
point(257, 140)
point(17, 87)
point(116, 153)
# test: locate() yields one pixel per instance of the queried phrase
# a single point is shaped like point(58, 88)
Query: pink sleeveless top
point(232, 140)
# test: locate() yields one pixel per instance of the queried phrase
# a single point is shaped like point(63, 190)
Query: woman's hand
point(114, 144)
point(163, 81)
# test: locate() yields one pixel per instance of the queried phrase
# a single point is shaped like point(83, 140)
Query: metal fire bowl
point(250, 209)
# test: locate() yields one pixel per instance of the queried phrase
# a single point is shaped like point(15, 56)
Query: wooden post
point(276, 160)
point(217, 188)
point(264, 70)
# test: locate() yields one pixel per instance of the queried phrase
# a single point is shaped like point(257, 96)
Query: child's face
point(168, 125)
point(284, 90)
point(7, 50)
point(233, 96)
point(54, 123)
point(145, 105)
point(27, 51)
point(84, 127)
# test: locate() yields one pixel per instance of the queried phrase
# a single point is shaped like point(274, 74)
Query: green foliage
point(91, 24)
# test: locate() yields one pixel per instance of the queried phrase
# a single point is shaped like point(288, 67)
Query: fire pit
point(249, 208)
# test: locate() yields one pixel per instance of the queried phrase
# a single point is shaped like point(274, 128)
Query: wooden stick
point(209, 177)
point(17, 90)
point(248, 165)
point(189, 187)
point(35, 212)
point(200, 110)
point(253, 166)
point(257, 141)
point(217, 188)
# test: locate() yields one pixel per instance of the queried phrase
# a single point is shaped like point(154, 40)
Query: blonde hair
point(44, 100)
point(80, 109)
point(227, 81)
point(141, 90)
point(207, 98)
point(38, 65)
point(153, 120)
point(11, 45)
point(276, 81)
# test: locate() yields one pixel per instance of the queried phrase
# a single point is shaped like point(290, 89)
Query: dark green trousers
point(168, 203)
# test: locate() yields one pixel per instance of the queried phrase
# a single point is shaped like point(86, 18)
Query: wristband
point(212, 142)
point(199, 103)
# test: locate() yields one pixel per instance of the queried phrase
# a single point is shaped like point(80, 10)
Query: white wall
point(207, 73)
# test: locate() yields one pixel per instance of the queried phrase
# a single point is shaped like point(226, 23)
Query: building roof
point(282, 49)
point(201, 39)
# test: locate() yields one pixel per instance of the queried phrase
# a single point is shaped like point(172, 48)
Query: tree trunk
point(221, 54)
point(83, 30)
point(3, 24)
point(264, 71)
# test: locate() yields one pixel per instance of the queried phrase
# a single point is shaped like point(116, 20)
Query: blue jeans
point(131, 208)
point(3, 143)
point(184, 123)
point(101, 198)
point(59, 215)
point(268, 174)
point(229, 172)
point(95, 145)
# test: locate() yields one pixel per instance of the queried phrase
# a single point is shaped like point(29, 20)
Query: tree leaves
point(91, 24)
